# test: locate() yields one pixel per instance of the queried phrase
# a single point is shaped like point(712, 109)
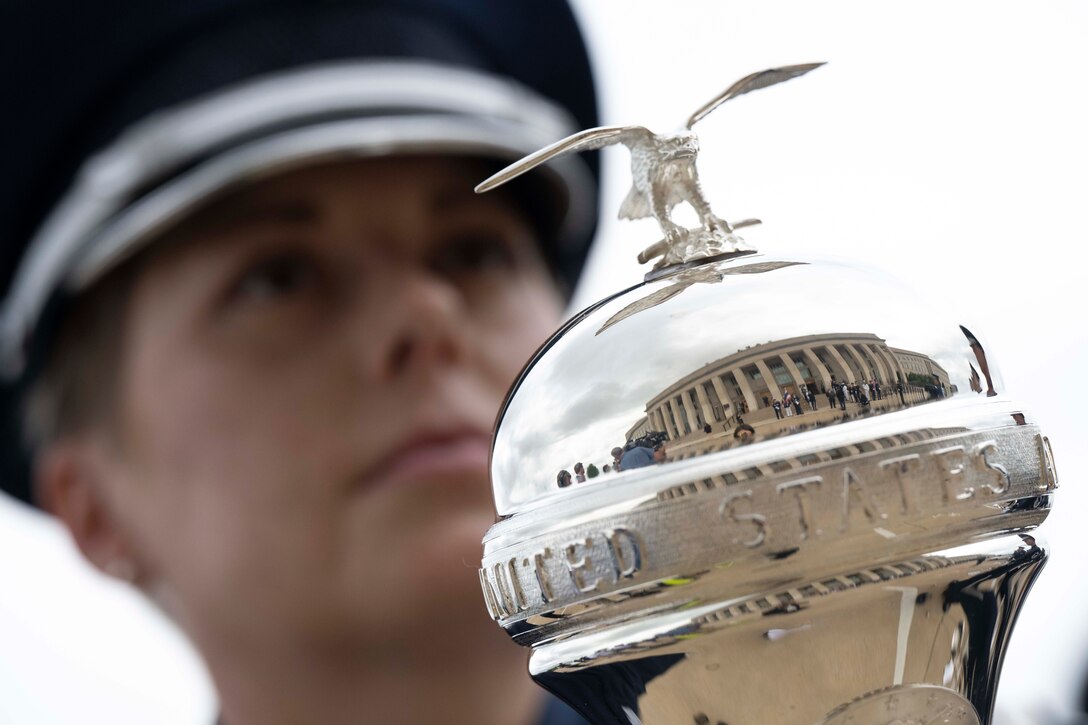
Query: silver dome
point(717, 343)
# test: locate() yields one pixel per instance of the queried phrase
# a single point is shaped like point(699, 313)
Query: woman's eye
point(276, 278)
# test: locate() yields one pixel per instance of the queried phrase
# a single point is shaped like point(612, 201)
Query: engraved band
point(909, 500)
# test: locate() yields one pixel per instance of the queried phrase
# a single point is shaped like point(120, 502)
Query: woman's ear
point(69, 483)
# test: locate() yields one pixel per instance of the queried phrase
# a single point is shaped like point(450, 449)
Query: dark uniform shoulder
point(558, 712)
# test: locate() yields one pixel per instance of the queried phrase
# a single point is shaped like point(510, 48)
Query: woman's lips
point(435, 457)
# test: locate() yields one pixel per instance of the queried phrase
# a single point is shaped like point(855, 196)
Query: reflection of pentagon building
point(747, 382)
point(919, 364)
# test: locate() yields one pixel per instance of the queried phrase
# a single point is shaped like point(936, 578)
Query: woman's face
point(310, 375)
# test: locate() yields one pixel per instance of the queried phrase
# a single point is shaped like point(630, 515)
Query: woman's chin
point(416, 557)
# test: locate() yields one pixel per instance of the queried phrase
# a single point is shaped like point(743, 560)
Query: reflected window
point(802, 367)
point(781, 375)
point(885, 574)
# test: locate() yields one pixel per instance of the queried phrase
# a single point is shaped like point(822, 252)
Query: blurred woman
point(262, 326)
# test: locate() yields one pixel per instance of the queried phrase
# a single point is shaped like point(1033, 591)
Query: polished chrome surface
point(838, 649)
point(906, 704)
point(664, 174)
point(717, 343)
point(860, 559)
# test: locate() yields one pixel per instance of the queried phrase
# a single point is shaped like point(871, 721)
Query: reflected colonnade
point(744, 387)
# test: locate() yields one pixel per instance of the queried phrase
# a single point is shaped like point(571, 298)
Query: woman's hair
point(563, 478)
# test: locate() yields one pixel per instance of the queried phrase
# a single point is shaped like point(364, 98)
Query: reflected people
point(744, 433)
point(660, 453)
point(634, 457)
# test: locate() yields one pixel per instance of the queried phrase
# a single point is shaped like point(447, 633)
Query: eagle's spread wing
point(753, 82)
point(636, 205)
point(593, 138)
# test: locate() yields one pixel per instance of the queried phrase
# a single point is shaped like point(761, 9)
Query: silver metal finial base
point(918, 640)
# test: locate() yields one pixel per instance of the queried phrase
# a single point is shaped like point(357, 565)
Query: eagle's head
point(684, 145)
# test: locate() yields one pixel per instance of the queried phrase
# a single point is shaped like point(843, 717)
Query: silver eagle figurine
point(664, 174)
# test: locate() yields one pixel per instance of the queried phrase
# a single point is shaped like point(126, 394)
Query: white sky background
point(944, 141)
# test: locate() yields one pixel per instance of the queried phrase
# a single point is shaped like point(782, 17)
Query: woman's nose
point(423, 325)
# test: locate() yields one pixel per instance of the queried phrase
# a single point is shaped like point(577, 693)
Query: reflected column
point(680, 412)
point(689, 408)
point(815, 364)
point(846, 370)
point(859, 362)
point(657, 420)
point(768, 377)
point(746, 389)
point(723, 397)
point(898, 375)
point(669, 414)
point(704, 403)
point(881, 366)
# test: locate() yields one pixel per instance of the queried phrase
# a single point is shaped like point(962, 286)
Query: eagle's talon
point(675, 234)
